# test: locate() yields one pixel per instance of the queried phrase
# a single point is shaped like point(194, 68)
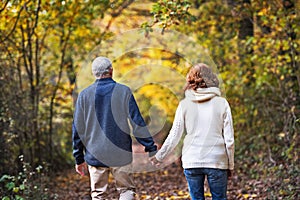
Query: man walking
point(105, 115)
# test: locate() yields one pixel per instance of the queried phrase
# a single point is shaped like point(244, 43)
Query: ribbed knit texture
point(209, 139)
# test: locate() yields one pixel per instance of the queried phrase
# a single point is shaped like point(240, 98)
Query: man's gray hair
point(101, 66)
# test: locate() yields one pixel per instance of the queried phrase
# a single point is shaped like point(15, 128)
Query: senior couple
point(106, 115)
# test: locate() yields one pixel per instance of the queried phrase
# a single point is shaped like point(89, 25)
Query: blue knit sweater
point(106, 114)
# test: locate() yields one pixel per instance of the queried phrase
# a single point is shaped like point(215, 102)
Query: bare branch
point(24, 54)
point(15, 25)
point(36, 17)
point(5, 4)
point(37, 64)
point(62, 63)
point(114, 15)
point(124, 5)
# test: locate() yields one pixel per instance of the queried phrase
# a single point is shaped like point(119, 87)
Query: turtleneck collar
point(202, 94)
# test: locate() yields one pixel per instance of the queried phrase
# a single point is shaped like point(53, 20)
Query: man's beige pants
point(99, 182)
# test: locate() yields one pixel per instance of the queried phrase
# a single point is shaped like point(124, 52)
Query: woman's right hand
point(154, 161)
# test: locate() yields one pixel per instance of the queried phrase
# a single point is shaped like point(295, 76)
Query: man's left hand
point(81, 169)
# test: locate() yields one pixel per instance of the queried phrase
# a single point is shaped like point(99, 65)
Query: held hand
point(154, 161)
point(81, 169)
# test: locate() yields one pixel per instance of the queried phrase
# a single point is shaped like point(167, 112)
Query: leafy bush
point(29, 183)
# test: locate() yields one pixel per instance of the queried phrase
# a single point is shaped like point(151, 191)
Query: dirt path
point(165, 184)
point(155, 184)
point(162, 184)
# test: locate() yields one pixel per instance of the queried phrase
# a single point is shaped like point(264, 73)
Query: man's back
point(105, 115)
point(104, 110)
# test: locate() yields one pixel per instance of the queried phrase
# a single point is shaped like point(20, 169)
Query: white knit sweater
point(209, 139)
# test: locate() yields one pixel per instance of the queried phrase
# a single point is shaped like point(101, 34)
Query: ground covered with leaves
point(249, 181)
point(164, 184)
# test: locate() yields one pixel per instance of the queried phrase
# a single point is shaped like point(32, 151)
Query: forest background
point(254, 45)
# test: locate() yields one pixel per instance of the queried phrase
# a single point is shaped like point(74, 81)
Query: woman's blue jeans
point(217, 181)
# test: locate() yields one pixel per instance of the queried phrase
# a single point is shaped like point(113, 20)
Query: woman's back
point(204, 113)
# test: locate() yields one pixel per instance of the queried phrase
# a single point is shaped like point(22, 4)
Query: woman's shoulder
point(221, 102)
point(219, 99)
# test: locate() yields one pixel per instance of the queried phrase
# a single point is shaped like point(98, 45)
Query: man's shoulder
point(122, 87)
point(87, 90)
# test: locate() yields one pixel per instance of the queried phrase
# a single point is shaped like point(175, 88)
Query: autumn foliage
point(254, 46)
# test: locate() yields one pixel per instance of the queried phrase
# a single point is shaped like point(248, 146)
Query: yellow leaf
point(162, 194)
point(207, 194)
point(262, 12)
point(16, 189)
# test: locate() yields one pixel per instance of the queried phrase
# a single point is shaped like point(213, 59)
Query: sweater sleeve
point(228, 133)
point(140, 130)
point(174, 135)
point(78, 125)
point(78, 147)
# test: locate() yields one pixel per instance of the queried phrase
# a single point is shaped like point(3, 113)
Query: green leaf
point(249, 41)
point(19, 197)
point(4, 177)
point(22, 187)
point(10, 185)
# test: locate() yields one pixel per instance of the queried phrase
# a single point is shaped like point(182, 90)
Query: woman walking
point(208, 146)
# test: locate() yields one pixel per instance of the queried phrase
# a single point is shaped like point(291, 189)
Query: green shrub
point(29, 183)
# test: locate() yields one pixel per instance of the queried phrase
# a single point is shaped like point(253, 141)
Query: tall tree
point(42, 43)
point(256, 46)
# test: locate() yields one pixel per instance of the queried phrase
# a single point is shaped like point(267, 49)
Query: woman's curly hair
point(201, 76)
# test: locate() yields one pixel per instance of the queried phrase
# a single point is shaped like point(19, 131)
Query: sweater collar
point(104, 80)
point(202, 94)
